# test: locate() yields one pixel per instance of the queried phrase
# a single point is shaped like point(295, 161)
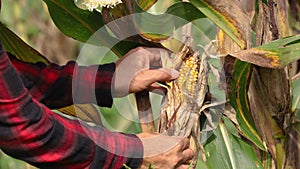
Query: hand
point(139, 69)
point(165, 152)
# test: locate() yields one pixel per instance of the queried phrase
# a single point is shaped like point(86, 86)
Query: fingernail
point(174, 73)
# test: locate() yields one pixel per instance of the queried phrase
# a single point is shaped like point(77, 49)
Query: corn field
point(237, 97)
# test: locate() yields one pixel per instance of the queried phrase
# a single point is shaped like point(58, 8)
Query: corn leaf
point(265, 1)
point(74, 22)
point(150, 26)
point(235, 24)
point(264, 109)
point(16, 46)
point(227, 151)
point(293, 149)
point(146, 4)
point(239, 101)
point(147, 28)
point(86, 112)
point(276, 54)
point(82, 25)
point(119, 21)
point(296, 99)
point(186, 11)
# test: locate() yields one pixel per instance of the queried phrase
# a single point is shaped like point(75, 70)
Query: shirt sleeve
point(31, 132)
point(59, 86)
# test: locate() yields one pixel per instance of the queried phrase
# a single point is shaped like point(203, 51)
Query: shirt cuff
point(122, 150)
point(137, 151)
point(1, 50)
point(103, 83)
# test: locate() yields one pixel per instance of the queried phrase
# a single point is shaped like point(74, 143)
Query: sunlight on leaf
point(158, 28)
point(276, 54)
point(234, 24)
point(86, 112)
point(146, 4)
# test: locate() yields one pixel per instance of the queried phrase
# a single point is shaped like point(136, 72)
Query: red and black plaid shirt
point(30, 131)
point(54, 85)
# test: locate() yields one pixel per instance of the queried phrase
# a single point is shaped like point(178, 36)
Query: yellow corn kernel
point(188, 75)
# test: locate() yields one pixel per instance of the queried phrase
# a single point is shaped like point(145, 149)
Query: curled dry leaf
point(86, 112)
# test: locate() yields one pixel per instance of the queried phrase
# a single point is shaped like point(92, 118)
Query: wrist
point(103, 84)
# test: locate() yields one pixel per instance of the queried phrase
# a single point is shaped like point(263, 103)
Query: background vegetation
point(261, 124)
point(30, 20)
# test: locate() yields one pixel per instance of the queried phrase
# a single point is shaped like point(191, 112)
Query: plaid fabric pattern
point(59, 86)
point(31, 132)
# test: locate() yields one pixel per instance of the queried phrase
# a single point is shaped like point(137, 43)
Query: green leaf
point(72, 21)
point(239, 101)
point(119, 21)
point(146, 4)
point(186, 11)
point(265, 1)
point(157, 28)
point(296, 98)
point(276, 54)
point(84, 26)
point(227, 151)
point(17, 47)
point(234, 24)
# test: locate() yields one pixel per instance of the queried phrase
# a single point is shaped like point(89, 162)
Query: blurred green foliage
point(16, 15)
point(29, 19)
point(21, 16)
point(7, 162)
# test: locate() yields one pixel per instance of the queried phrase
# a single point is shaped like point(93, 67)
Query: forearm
point(59, 86)
point(79, 85)
point(29, 131)
point(51, 141)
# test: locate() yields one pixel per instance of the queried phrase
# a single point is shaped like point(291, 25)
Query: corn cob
point(186, 101)
point(188, 75)
point(179, 114)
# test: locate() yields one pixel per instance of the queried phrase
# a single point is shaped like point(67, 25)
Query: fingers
point(139, 69)
point(158, 57)
point(185, 143)
point(161, 75)
point(152, 56)
point(187, 155)
point(184, 167)
point(166, 151)
point(146, 78)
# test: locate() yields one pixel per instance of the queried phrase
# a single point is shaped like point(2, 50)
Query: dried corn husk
point(186, 98)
